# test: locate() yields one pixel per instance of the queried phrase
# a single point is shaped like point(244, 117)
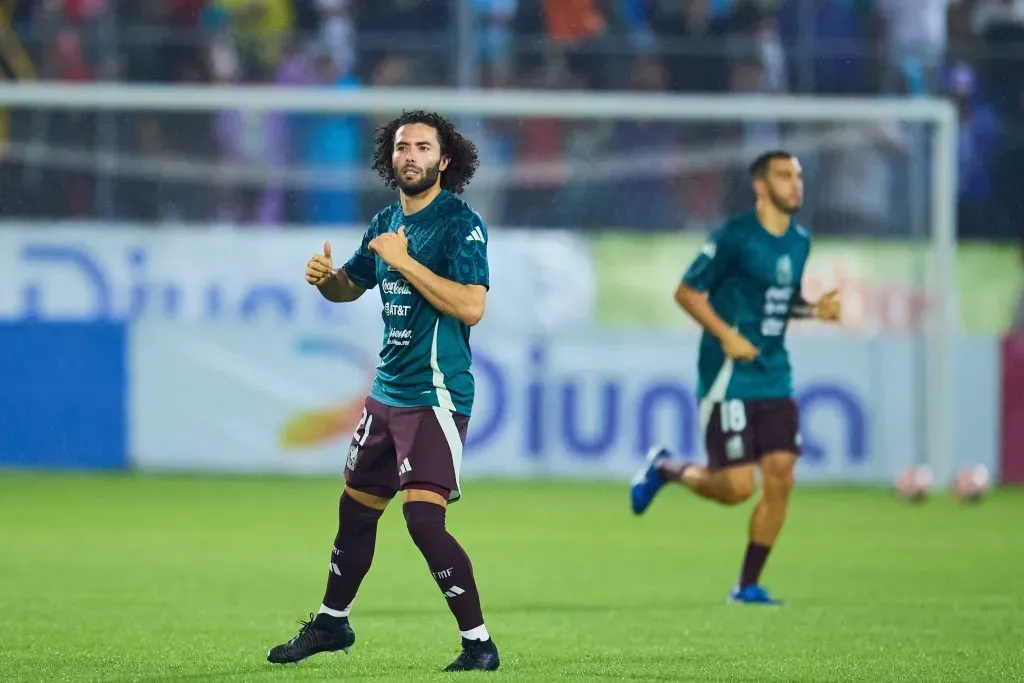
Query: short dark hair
point(759, 168)
point(461, 152)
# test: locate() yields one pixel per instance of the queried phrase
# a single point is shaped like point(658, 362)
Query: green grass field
point(173, 578)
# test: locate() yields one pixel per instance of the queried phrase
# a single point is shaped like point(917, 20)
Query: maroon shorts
point(394, 449)
point(742, 432)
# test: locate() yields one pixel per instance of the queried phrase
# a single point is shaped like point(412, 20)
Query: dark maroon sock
point(352, 552)
point(753, 563)
point(447, 561)
point(672, 470)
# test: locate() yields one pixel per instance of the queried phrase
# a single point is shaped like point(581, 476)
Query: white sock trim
point(324, 609)
point(478, 633)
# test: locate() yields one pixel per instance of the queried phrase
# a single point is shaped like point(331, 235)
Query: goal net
point(596, 204)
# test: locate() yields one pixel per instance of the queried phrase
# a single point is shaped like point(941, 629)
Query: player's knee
point(739, 492)
point(736, 490)
point(423, 520)
point(780, 485)
point(779, 476)
point(375, 498)
point(356, 514)
point(777, 486)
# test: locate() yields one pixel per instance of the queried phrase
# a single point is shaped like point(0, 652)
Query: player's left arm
point(463, 297)
point(828, 308)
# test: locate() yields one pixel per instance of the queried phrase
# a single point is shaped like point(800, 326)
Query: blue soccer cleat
point(648, 481)
point(753, 595)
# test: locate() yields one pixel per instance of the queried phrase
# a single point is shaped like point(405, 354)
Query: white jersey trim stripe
point(444, 397)
point(716, 394)
point(451, 435)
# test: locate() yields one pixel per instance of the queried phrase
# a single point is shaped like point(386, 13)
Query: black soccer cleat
point(322, 633)
point(476, 655)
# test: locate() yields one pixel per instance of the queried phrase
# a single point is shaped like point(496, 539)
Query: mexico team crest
point(734, 448)
point(784, 271)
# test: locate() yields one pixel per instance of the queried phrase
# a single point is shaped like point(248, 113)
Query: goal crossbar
point(547, 103)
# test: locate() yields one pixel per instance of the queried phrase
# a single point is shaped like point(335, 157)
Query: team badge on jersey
point(784, 271)
point(734, 447)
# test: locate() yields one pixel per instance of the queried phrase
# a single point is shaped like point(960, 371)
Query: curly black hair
point(460, 151)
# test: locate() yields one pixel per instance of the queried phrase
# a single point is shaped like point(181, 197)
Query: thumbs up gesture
point(320, 267)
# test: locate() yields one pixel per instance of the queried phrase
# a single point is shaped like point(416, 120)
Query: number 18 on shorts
point(741, 432)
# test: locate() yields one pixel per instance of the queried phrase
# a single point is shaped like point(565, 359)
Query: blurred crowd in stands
point(262, 168)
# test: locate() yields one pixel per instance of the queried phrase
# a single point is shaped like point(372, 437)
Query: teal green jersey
point(425, 360)
point(752, 279)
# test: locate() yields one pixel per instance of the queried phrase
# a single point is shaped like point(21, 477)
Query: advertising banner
point(287, 399)
point(63, 395)
point(252, 275)
point(883, 283)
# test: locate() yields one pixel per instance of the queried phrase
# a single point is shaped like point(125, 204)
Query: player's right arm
point(350, 281)
point(704, 275)
point(334, 284)
point(346, 283)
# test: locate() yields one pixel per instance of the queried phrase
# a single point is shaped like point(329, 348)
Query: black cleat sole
point(489, 667)
point(313, 639)
point(305, 657)
point(475, 658)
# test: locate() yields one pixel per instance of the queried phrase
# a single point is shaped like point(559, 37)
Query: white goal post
point(939, 114)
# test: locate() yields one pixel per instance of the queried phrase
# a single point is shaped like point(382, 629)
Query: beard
point(420, 185)
point(781, 204)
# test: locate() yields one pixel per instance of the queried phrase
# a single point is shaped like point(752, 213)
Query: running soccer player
point(427, 252)
point(742, 289)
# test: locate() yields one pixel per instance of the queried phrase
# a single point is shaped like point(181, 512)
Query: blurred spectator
point(252, 140)
point(337, 32)
point(331, 145)
point(259, 27)
point(631, 16)
point(749, 77)
point(184, 13)
point(495, 22)
point(652, 191)
point(916, 30)
point(745, 140)
point(691, 24)
point(577, 30)
point(541, 146)
point(979, 136)
point(1000, 26)
point(495, 142)
point(548, 171)
point(826, 43)
point(305, 18)
point(413, 29)
point(764, 29)
point(141, 60)
point(987, 13)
